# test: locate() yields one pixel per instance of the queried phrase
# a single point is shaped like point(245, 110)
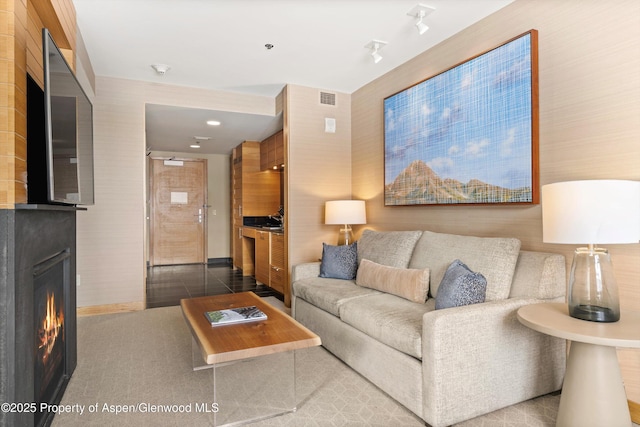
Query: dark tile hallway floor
point(168, 284)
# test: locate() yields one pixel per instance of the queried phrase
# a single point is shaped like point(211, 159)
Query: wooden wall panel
point(20, 53)
point(34, 48)
point(12, 103)
point(589, 125)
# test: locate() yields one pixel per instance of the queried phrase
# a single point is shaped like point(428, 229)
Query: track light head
point(422, 27)
point(161, 69)
point(376, 56)
point(419, 12)
point(375, 46)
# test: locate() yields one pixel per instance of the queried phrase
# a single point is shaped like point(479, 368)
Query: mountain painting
point(467, 135)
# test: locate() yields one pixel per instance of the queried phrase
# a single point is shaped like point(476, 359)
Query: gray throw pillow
point(339, 262)
point(460, 286)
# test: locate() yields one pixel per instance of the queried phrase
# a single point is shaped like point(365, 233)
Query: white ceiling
point(220, 44)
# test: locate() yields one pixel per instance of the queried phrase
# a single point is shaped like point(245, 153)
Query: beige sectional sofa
point(445, 365)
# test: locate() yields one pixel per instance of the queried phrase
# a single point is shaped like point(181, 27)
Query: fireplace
point(38, 333)
point(51, 278)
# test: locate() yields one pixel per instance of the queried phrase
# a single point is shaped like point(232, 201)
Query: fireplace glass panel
point(49, 330)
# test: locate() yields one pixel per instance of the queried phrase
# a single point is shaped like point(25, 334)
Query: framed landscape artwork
point(468, 135)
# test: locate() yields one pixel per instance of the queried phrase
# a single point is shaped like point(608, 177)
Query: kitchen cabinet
point(277, 263)
point(253, 193)
point(266, 257)
point(272, 152)
point(236, 203)
point(262, 247)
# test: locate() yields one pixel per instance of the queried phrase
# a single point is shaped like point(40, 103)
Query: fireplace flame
point(50, 328)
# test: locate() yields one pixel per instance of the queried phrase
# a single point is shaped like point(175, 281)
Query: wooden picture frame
point(468, 135)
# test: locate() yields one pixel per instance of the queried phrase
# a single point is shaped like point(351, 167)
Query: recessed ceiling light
point(202, 138)
point(195, 146)
point(213, 123)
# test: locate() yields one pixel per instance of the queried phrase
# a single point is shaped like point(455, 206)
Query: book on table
point(235, 315)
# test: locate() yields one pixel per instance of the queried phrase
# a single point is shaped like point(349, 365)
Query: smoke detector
point(161, 69)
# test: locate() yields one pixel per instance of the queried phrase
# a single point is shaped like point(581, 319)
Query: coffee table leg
point(197, 360)
point(593, 393)
point(254, 389)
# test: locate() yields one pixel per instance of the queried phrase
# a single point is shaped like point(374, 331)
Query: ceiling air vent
point(327, 98)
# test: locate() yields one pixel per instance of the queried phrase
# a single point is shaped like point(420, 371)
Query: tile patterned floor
point(167, 285)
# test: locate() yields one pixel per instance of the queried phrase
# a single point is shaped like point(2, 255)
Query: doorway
point(178, 211)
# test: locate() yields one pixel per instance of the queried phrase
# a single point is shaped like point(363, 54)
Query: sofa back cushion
point(539, 275)
point(403, 282)
point(493, 257)
point(391, 248)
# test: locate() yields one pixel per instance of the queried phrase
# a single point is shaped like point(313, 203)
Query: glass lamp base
point(345, 236)
point(594, 313)
point(593, 292)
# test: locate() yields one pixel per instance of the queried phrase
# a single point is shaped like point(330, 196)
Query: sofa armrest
point(480, 358)
point(305, 270)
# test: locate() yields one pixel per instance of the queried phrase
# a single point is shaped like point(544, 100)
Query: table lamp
point(592, 212)
point(345, 212)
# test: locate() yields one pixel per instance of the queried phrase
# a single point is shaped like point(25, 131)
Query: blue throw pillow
point(460, 286)
point(339, 262)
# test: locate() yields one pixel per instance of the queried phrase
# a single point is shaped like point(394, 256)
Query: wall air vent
point(327, 98)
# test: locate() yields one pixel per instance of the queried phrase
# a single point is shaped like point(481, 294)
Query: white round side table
point(593, 392)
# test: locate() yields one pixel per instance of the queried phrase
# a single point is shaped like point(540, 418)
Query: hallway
point(168, 284)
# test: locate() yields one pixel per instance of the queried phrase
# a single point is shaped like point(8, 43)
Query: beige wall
point(318, 168)
point(111, 237)
point(589, 55)
point(219, 201)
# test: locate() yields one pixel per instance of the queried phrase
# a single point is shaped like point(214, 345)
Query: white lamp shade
point(345, 212)
point(591, 212)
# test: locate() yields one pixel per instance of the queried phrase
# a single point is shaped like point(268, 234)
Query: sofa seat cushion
point(389, 319)
point(493, 257)
point(328, 294)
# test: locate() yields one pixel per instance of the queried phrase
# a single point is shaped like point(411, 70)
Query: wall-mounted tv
point(59, 134)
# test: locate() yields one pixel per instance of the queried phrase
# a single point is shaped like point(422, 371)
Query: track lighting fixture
point(161, 69)
point(421, 26)
point(419, 12)
point(375, 46)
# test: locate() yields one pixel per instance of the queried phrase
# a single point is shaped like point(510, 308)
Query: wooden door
point(178, 211)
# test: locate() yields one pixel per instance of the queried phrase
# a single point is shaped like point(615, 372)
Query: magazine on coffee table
point(235, 315)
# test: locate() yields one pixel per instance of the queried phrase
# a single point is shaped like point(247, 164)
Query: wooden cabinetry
point(253, 193)
point(272, 152)
point(269, 258)
point(263, 243)
point(236, 202)
point(277, 265)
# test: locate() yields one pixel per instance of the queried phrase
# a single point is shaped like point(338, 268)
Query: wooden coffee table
point(253, 363)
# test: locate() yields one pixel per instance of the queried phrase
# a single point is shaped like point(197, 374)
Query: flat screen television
point(59, 134)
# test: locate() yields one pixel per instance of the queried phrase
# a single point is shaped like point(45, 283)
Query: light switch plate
point(330, 125)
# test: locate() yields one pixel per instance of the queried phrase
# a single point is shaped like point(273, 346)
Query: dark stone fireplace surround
point(29, 235)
